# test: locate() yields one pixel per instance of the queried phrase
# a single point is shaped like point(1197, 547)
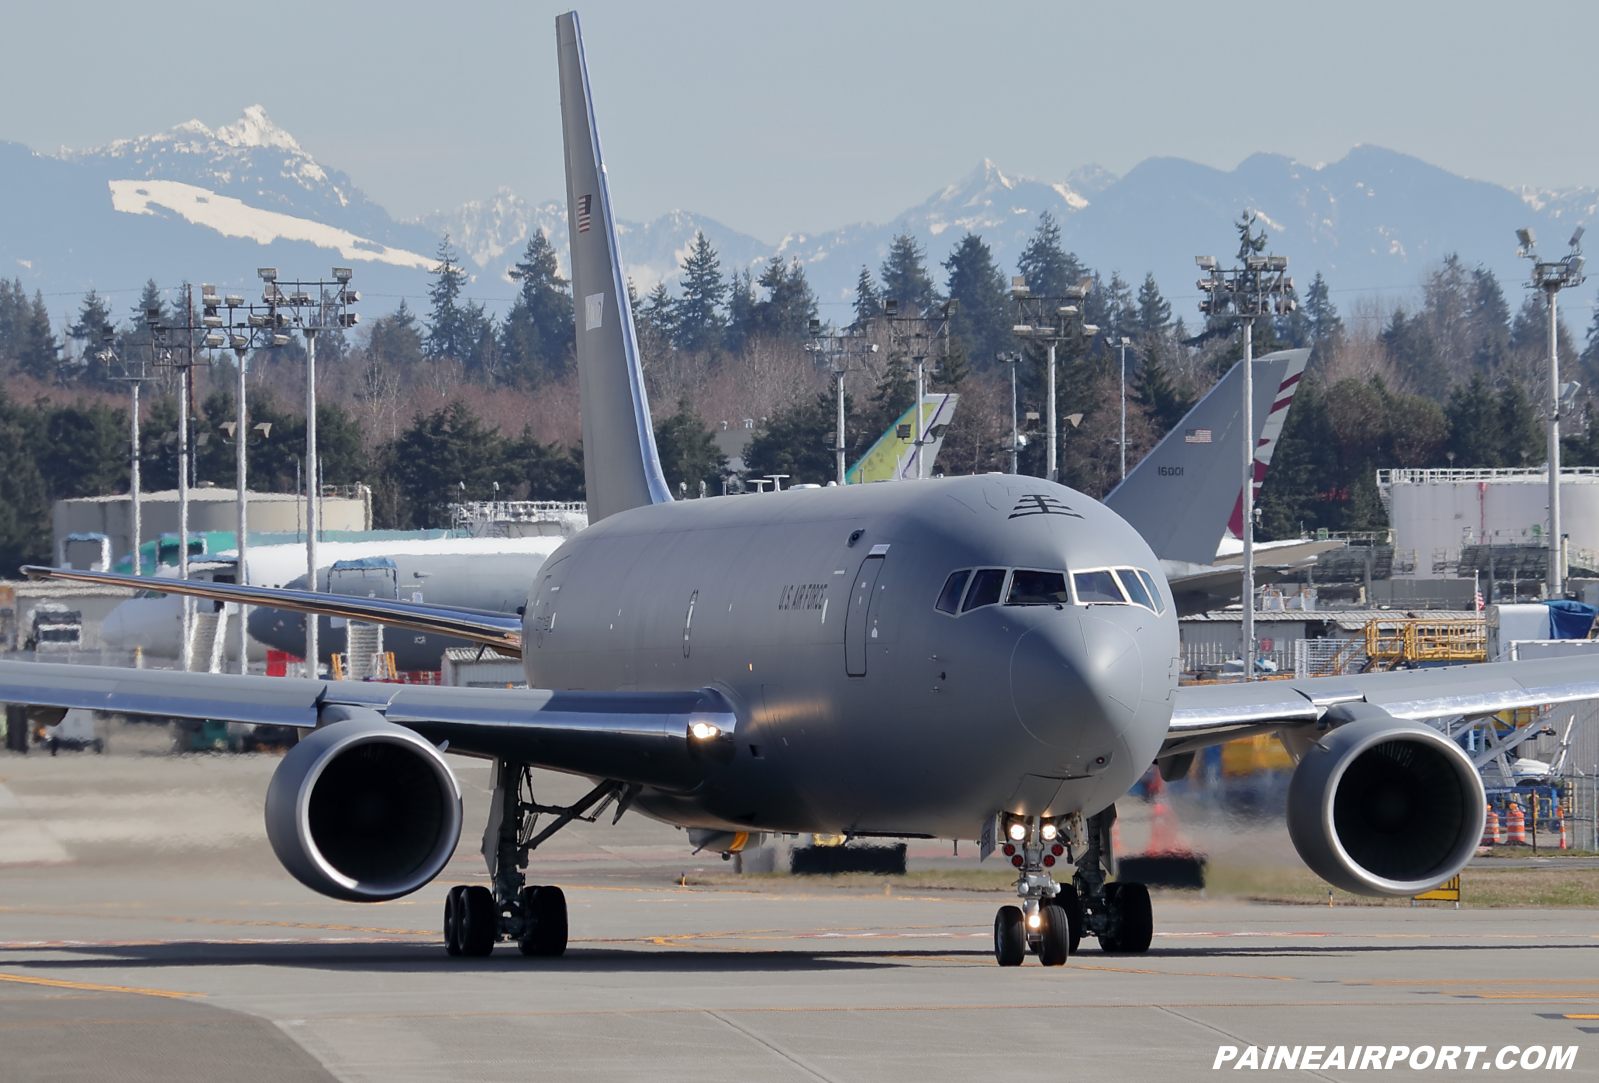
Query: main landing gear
point(476, 917)
point(1053, 918)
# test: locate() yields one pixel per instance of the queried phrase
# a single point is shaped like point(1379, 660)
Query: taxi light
point(1049, 860)
point(1017, 861)
point(704, 730)
point(1018, 831)
point(1034, 921)
point(1010, 851)
point(1057, 849)
point(1048, 831)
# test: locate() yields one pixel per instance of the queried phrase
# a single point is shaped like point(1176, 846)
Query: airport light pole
point(1051, 320)
point(1123, 342)
point(1016, 441)
point(1258, 290)
point(1552, 276)
point(917, 334)
point(311, 307)
point(133, 378)
point(242, 329)
point(838, 349)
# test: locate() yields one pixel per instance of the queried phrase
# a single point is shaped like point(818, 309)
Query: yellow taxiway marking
point(56, 983)
point(1580, 1017)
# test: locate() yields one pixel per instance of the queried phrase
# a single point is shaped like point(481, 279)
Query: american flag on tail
point(584, 204)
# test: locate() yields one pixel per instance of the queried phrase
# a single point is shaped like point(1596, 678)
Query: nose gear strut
point(476, 917)
point(1054, 917)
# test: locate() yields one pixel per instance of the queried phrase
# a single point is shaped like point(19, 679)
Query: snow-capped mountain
point(193, 204)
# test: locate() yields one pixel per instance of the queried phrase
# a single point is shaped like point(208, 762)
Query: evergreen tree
point(868, 302)
point(37, 352)
point(452, 331)
point(441, 451)
point(1165, 397)
point(797, 441)
point(1043, 265)
point(1154, 311)
point(1489, 321)
point(688, 452)
point(394, 339)
point(981, 324)
point(789, 305)
point(905, 277)
point(1120, 314)
point(89, 333)
point(1476, 431)
point(82, 449)
point(13, 316)
point(1325, 322)
point(661, 311)
point(24, 508)
point(698, 312)
point(538, 336)
point(1414, 350)
point(741, 302)
point(551, 471)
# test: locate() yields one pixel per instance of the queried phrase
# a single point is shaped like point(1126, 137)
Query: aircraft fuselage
point(862, 707)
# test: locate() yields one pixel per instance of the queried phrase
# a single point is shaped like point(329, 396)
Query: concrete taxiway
point(146, 932)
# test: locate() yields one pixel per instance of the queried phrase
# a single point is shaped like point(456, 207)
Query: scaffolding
point(1391, 644)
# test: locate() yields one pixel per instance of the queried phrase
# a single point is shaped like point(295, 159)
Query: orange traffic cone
point(1560, 820)
point(1517, 823)
point(1490, 828)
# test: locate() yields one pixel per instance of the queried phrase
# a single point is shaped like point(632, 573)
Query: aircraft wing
point(636, 737)
point(502, 631)
point(1213, 713)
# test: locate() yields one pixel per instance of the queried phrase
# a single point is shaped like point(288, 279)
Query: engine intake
point(363, 809)
point(1381, 806)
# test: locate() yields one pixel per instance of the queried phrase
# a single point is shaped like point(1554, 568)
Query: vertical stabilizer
point(621, 468)
point(1182, 495)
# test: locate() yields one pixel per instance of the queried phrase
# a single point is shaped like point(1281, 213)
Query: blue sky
point(779, 117)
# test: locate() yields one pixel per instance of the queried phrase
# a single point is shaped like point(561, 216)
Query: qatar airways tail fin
point(621, 467)
point(1187, 494)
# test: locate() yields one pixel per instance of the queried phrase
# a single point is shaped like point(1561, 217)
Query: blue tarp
point(1569, 619)
point(375, 563)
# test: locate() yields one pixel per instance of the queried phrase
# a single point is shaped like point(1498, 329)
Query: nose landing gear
point(1053, 918)
point(475, 917)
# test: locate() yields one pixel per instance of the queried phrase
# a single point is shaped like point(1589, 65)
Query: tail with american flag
point(1186, 495)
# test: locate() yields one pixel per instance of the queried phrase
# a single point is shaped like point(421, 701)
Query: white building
point(1438, 512)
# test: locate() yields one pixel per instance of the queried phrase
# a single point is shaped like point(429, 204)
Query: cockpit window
point(949, 599)
point(1037, 588)
point(1134, 586)
point(1097, 586)
point(985, 589)
point(1154, 591)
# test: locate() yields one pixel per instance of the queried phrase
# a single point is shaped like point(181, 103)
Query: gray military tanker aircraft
point(990, 656)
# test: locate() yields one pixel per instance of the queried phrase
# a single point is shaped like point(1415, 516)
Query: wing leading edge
point(502, 631)
point(646, 738)
point(1210, 714)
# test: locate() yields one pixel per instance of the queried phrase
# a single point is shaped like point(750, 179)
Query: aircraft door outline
point(857, 623)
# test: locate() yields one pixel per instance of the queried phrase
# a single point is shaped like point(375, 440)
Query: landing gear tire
point(1054, 945)
point(544, 910)
point(1010, 936)
point(454, 904)
point(1069, 901)
point(1131, 917)
point(480, 921)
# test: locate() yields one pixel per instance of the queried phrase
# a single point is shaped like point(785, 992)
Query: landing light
point(1034, 921)
point(1048, 831)
point(1018, 831)
point(704, 730)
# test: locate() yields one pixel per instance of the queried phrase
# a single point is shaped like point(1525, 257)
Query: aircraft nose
point(1076, 681)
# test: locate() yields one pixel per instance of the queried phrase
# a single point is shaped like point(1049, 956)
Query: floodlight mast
point(313, 306)
point(1051, 320)
point(917, 333)
point(837, 349)
point(1552, 276)
point(108, 356)
point(1259, 289)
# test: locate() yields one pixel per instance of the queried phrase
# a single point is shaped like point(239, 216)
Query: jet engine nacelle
point(1381, 806)
point(363, 809)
